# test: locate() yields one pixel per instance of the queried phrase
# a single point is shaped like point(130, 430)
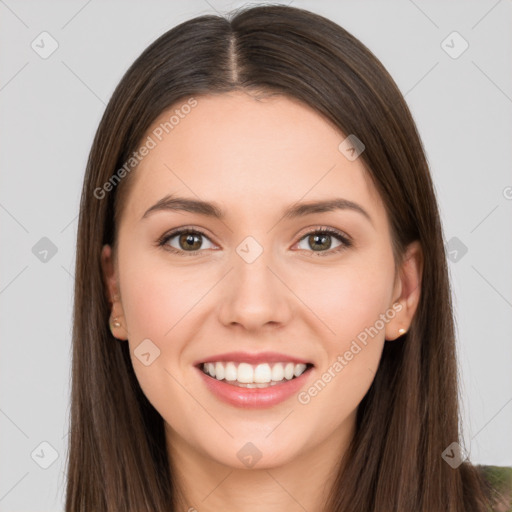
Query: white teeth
point(299, 369)
point(288, 371)
point(251, 376)
point(245, 373)
point(262, 373)
point(219, 371)
point(230, 372)
point(277, 372)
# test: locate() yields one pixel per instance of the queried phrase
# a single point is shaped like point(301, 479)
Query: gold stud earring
point(401, 331)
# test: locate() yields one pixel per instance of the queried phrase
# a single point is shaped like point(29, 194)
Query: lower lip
point(254, 398)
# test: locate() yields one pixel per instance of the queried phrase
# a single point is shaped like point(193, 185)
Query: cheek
point(351, 355)
point(155, 296)
point(349, 305)
point(349, 299)
point(156, 301)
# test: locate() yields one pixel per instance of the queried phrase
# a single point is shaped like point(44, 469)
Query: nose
point(255, 296)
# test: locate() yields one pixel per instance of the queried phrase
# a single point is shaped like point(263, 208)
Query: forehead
point(255, 151)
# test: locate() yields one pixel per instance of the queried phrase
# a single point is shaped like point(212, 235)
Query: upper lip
point(246, 357)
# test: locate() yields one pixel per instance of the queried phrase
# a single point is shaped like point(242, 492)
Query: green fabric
point(499, 480)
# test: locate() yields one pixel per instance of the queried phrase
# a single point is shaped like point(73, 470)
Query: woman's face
point(254, 280)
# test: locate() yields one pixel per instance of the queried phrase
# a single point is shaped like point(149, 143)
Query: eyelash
point(345, 241)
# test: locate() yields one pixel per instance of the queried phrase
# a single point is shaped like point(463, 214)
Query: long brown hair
point(117, 454)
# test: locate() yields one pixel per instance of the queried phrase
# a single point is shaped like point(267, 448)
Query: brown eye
point(185, 241)
point(190, 241)
point(321, 241)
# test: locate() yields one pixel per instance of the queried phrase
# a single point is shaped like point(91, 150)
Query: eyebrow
point(210, 209)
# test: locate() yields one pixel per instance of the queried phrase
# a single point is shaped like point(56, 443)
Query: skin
point(255, 157)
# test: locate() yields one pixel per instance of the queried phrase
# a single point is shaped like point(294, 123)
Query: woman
point(262, 313)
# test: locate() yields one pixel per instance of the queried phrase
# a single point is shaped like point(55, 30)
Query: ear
point(117, 320)
point(407, 291)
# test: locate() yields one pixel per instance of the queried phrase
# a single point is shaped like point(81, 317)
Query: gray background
point(51, 108)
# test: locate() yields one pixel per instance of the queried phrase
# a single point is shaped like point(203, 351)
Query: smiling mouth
point(248, 375)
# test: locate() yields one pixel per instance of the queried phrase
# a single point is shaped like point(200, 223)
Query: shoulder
point(498, 480)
